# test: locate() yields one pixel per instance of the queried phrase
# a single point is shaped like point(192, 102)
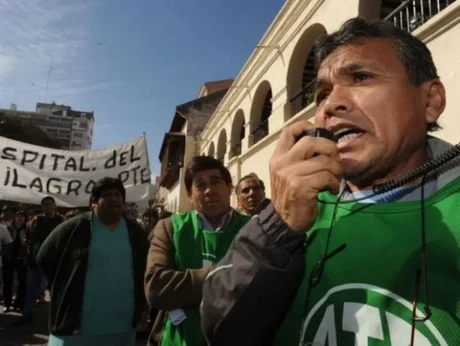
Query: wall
point(172, 201)
point(190, 151)
point(275, 62)
point(439, 36)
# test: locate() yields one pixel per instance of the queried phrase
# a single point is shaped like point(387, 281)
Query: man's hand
point(299, 171)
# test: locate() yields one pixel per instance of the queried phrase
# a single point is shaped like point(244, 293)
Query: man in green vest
point(361, 243)
point(185, 248)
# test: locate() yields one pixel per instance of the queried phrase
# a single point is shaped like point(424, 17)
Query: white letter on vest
point(326, 330)
point(362, 320)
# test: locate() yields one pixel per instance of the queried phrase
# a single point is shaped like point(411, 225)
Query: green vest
point(196, 248)
point(366, 291)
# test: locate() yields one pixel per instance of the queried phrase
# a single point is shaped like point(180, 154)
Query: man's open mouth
point(346, 134)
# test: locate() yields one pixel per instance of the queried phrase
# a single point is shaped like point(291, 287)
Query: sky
point(131, 62)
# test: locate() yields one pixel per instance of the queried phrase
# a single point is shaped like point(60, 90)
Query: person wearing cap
point(96, 263)
point(15, 264)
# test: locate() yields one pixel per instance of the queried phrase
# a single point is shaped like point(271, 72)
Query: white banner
point(29, 172)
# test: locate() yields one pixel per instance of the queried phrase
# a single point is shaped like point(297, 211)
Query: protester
point(250, 192)
point(7, 215)
point(5, 251)
point(15, 264)
point(185, 247)
point(40, 228)
point(148, 222)
point(149, 219)
point(378, 267)
point(153, 313)
point(96, 263)
point(32, 219)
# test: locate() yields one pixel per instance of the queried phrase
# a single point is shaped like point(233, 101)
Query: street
point(34, 334)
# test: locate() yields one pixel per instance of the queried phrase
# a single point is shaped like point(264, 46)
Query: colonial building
point(181, 143)
point(274, 87)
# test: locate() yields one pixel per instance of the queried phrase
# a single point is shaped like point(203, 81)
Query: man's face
point(210, 194)
point(19, 220)
point(48, 207)
point(110, 204)
point(250, 194)
point(365, 88)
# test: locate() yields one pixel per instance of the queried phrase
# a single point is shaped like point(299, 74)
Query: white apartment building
point(273, 88)
point(82, 124)
point(73, 129)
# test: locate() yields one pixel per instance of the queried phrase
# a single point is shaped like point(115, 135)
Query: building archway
point(302, 71)
point(211, 150)
point(222, 146)
point(238, 133)
point(261, 110)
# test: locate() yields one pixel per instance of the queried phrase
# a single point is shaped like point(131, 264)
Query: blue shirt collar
point(205, 224)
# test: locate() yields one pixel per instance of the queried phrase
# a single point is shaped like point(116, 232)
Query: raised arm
point(246, 297)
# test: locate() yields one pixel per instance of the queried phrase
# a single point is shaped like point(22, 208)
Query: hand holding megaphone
point(305, 162)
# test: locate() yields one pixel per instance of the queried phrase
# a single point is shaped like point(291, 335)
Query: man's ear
point(435, 100)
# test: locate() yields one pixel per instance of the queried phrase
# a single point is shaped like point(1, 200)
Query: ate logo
point(365, 315)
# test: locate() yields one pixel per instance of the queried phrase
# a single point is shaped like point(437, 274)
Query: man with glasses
point(185, 247)
point(250, 192)
point(360, 245)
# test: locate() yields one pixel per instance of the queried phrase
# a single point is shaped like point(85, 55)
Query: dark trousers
point(10, 267)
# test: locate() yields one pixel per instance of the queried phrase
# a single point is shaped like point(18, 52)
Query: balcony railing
point(303, 98)
point(261, 131)
point(413, 13)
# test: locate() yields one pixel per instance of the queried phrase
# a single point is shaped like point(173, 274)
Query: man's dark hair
point(204, 163)
point(413, 53)
point(47, 199)
point(252, 176)
point(150, 212)
point(105, 184)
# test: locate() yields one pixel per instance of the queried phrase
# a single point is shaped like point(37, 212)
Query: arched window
point(211, 150)
point(260, 112)
point(301, 72)
point(222, 146)
point(238, 133)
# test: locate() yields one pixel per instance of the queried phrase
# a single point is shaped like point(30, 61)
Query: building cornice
point(255, 59)
point(249, 70)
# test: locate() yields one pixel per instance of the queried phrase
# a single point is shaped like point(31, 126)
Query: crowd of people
point(342, 253)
